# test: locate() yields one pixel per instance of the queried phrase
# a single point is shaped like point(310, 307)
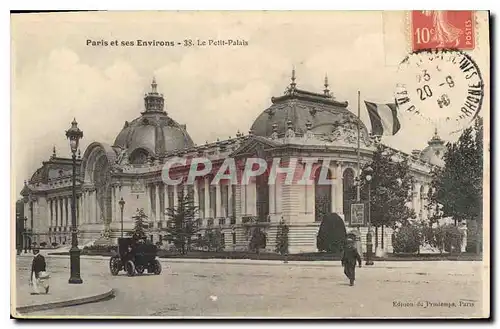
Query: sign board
point(357, 213)
point(138, 187)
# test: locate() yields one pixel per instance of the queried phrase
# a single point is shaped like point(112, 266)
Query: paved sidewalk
point(322, 263)
point(61, 293)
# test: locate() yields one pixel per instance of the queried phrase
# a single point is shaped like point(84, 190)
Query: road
point(397, 289)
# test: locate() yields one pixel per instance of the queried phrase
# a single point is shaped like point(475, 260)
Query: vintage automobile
point(135, 256)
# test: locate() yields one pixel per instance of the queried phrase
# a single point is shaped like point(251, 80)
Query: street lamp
point(122, 204)
point(74, 134)
point(369, 244)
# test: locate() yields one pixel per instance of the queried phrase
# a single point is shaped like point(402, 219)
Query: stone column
point(207, 196)
point(84, 206)
point(149, 207)
point(176, 195)
point(63, 212)
point(195, 191)
point(96, 208)
point(218, 201)
point(157, 202)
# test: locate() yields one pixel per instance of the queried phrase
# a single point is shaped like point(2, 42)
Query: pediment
point(255, 145)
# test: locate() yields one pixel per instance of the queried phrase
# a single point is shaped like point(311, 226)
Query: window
point(213, 199)
point(323, 195)
point(225, 199)
point(162, 202)
point(170, 196)
point(201, 198)
point(234, 237)
point(262, 190)
point(233, 204)
point(151, 237)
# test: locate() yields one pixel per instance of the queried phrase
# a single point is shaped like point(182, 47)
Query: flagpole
point(358, 188)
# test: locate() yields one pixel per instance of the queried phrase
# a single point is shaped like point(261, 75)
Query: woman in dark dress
point(349, 257)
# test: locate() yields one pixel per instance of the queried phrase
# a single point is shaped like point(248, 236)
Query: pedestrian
point(349, 257)
point(39, 279)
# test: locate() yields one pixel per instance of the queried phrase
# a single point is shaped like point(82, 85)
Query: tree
point(407, 239)
point(390, 190)
point(140, 224)
point(182, 224)
point(332, 233)
point(213, 239)
point(458, 187)
point(258, 240)
point(282, 238)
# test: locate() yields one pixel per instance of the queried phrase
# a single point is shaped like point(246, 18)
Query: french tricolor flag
point(384, 118)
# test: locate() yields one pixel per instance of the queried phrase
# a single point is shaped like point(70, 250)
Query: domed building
point(434, 152)
point(306, 127)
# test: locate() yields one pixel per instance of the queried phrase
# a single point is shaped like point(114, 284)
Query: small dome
point(435, 151)
point(154, 132)
point(302, 110)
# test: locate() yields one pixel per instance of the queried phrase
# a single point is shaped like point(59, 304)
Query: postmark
point(440, 85)
point(442, 29)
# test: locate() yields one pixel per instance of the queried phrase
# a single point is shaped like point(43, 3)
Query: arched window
point(349, 190)
point(139, 156)
point(322, 195)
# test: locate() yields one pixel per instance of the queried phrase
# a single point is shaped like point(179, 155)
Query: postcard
point(277, 164)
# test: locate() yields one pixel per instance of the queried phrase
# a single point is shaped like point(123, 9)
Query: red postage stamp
point(439, 29)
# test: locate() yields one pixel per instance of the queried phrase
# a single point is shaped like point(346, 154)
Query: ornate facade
point(299, 124)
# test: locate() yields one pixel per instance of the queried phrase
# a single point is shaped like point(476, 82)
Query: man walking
point(39, 278)
point(349, 257)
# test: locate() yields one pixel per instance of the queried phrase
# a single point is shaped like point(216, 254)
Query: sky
point(215, 91)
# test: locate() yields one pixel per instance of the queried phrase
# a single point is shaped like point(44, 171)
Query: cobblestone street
point(389, 289)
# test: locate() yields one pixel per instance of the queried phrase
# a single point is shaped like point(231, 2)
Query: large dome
point(154, 132)
point(434, 152)
point(304, 110)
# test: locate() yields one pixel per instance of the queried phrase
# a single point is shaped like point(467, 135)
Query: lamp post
point(122, 204)
point(369, 244)
point(25, 235)
point(74, 134)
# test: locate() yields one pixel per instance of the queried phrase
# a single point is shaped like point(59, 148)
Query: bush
point(258, 240)
point(54, 244)
point(407, 240)
point(99, 248)
point(444, 238)
point(331, 234)
point(282, 238)
point(43, 244)
point(452, 238)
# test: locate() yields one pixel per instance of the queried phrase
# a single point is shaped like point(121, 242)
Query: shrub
point(99, 248)
point(43, 244)
point(282, 238)
point(332, 234)
point(258, 240)
point(54, 244)
point(407, 239)
point(452, 238)
point(445, 238)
